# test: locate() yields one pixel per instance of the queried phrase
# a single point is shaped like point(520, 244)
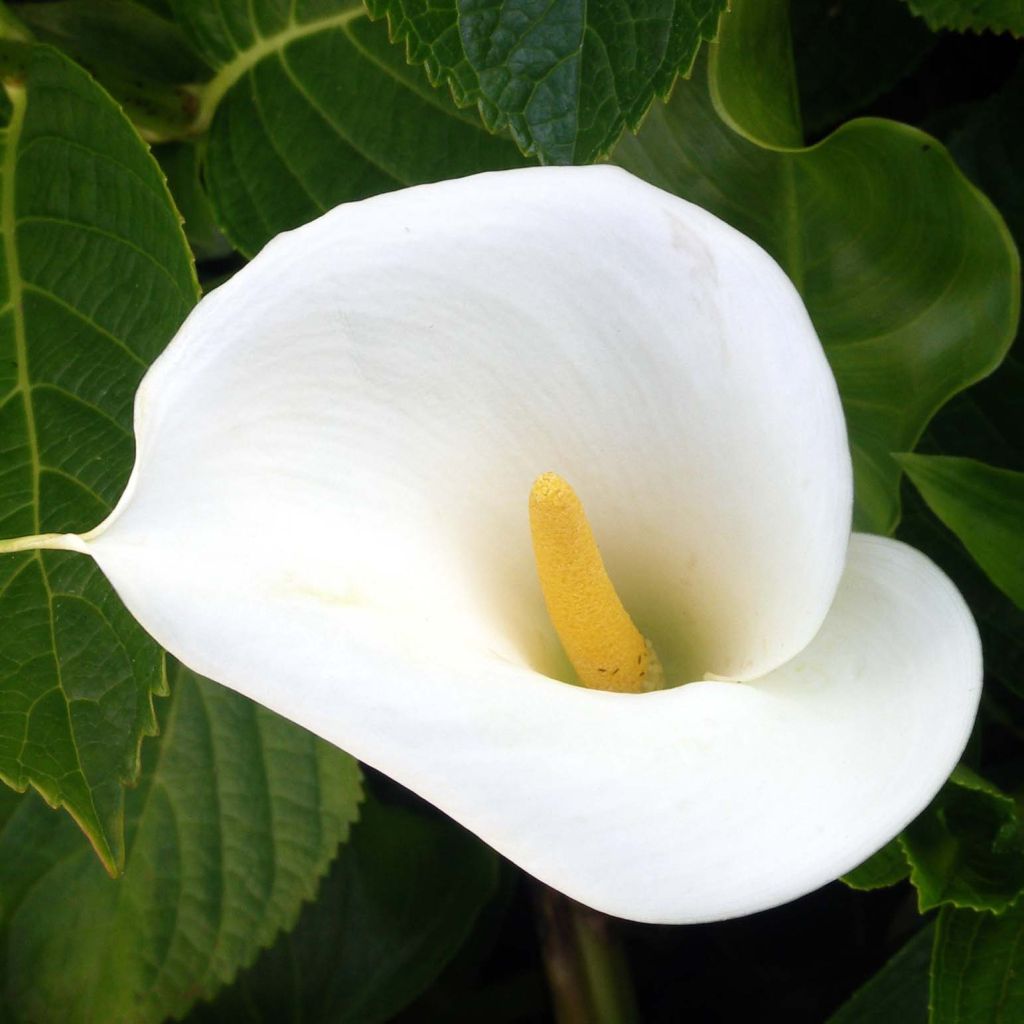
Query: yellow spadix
point(606, 649)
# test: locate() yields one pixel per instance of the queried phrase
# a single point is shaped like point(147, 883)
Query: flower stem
point(585, 965)
point(41, 541)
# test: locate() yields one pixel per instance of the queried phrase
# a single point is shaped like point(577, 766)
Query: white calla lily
point(328, 513)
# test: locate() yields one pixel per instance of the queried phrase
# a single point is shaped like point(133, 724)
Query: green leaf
point(983, 506)
point(321, 110)
point(978, 968)
point(848, 53)
point(898, 993)
point(967, 848)
point(909, 273)
point(96, 279)
point(884, 868)
point(976, 15)
point(399, 902)
point(237, 815)
point(564, 77)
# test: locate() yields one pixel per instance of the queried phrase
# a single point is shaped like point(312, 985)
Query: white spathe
point(328, 513)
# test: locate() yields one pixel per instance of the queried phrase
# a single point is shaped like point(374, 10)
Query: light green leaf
point(978, 968)
point(967, 847)
point(399, 902)
point(898, 993)
point(96, 279)
point(884, 868)
point(983, 506)
point(564, 77)
point(976, 15)
point(908, 272)
point(236, 817)
point(307, 113)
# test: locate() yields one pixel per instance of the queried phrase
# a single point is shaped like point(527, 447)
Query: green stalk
point(585, 965)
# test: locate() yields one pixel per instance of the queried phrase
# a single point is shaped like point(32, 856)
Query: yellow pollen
point(605, 648)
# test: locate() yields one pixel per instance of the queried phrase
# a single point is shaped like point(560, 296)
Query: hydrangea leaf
point(972, 15)
point(898, 993)
point(978, 968)
point(909, 273)
point(564, 77)
point(399, 902)
point(984, 506)
point(309, 111)
point(237, 815)
point(96, 278)
point(967, 848)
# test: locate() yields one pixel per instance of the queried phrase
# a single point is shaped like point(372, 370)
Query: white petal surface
point(362, 411)
point(699, 803)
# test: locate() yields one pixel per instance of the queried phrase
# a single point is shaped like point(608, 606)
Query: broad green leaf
point(399, 902)
point(974, 15)
point(967, 848)
point(237, 815)
point(978, 968)
point(564, 77)
point(96, 279)
point(849, 54)
point(908, 272)
point(884, 868)
point(983, 506)
point(751, 75)
point(898, 993)
point(318, 110)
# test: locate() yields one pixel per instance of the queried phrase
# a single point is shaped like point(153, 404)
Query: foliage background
point(240, 869)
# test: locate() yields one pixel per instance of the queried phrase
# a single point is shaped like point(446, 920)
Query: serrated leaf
point(564, 77)
point(237, 815)
point(909, 274)
point(308, 113)
point(884, 868)
point(967, 847)
point(973, 15)
point(898, 993)
point(96, 279)
point(978, 968)
point(984, 506)
point(399, 902)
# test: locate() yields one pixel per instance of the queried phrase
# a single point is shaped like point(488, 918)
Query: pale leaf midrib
point(213, 91)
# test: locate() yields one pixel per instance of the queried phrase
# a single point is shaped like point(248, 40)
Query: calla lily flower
point(331, 513)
